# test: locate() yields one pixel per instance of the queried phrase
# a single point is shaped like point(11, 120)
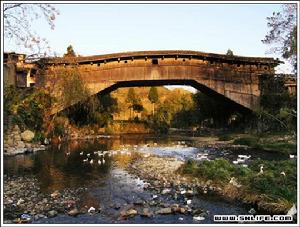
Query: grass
point(225, 137)
point(273, 187)
point(286, 148)
point(251, 141)
point(271, 182)
point(268, 142)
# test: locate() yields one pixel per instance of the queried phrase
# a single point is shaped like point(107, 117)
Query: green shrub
point(38, 137)
point(58, 130)
point(30, 109)
point(189, 167)
point(219, 169)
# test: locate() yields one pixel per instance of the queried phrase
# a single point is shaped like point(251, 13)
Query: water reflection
point(99, 166)
point(77, 163)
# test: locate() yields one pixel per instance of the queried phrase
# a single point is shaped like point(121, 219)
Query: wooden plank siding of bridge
point(234, 78)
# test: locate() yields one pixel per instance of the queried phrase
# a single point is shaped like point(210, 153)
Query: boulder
point(20, 144)
point(27, 135)
point(28, 145)
point(16, 129)
point(17, 137)
point(10, 142)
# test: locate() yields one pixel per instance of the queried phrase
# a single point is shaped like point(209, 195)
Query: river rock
point(198, 218)
point(39, 216)
point(55, 194)
point(17, 137)
point(182, 210)
point(189, 193)
point(167, 210)
point(147, 213)
point(189, 201)
point(165, 191)
point(5, 144)
point(16, 128)
point(198, 212)
point(91, 210)
point(20, 144)
point(83, 210)
point(46, 141)
point(27, 135)
point(28, 146)
point(128, 213)
point(10, 142)
point(25, 218)
point(252, 211)
point(176, 209)
point(138, 202)
point(73, 212)
point(20, 201)
point(52, 213)
point(154, 196)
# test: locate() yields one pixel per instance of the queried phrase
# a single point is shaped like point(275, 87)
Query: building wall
point(17, 72)
point(9, 75)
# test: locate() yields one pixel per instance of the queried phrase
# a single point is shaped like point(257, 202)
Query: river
point(107, 182)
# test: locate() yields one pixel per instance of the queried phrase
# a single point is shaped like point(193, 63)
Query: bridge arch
point(191, 83)
point(235, 78)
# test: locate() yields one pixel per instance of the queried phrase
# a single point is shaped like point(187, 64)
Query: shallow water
point(108, 183)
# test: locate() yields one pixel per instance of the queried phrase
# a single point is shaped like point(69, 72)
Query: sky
point(94, 29)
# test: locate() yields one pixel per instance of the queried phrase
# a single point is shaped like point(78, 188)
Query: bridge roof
point(166, 53)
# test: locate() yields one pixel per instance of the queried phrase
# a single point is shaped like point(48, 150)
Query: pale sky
point(109, 28)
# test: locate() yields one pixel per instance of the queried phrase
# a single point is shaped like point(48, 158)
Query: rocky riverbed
point(17, 142)
point(139, 182)
point(162, 174)
point(164, 177)
point(23, 201)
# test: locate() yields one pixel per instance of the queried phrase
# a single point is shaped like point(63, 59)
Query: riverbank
point(17, 142)
point(23, 201)
point(164, 172)
point(129, 179)
point(272, 142)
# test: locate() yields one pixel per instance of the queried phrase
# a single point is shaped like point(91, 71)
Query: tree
point(70, 52)
point(132, 99)
point(229, 52)
point(17, 25)
point(208, 108)
point(108, 103)
point(283, 33)
point(69, 85)
point(153, 97)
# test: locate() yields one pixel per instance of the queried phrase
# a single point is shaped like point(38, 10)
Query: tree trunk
point(153, 109)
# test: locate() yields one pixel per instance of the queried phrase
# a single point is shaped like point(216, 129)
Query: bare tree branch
point(18, 20)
